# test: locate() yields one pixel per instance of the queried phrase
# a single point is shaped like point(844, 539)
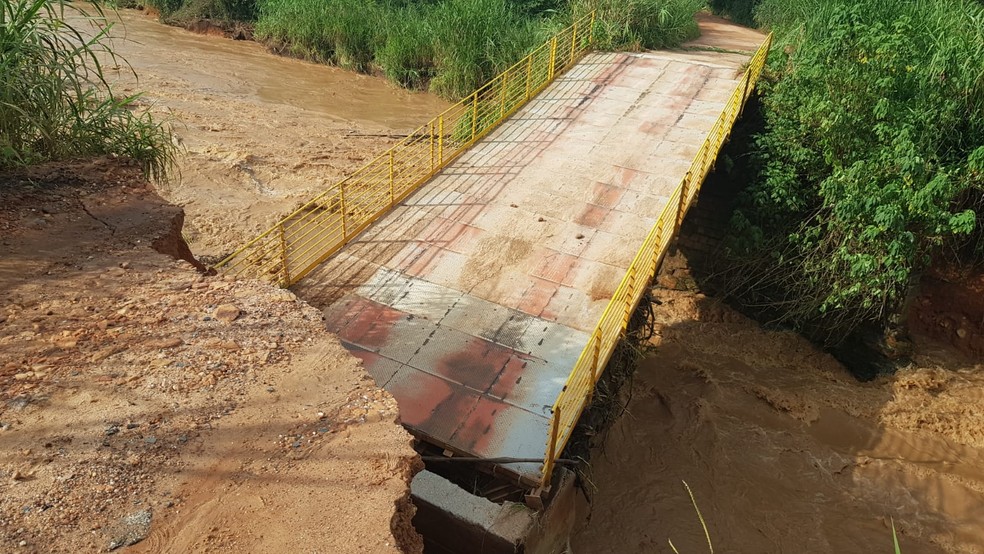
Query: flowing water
point(224, 68)
point(783, 449)
point(259, 133)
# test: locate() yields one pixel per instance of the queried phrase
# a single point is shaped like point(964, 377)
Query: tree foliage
point(870, 161)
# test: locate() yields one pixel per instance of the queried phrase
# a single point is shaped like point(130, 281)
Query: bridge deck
point(472, 300)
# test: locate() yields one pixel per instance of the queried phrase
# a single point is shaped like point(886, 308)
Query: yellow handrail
point(298, 243)
point(577, 392)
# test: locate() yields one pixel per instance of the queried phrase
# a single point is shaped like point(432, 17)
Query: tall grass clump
point(871, 162)
point(407, 52)
point(340, 32)
point(454, 46)
point(641, 24)
point(54, 101)
point(475, 40)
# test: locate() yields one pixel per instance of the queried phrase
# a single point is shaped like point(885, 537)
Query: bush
point(476, 39)
point(871, 160)
point(55, 103)
point(407, 53)
point(341, 32)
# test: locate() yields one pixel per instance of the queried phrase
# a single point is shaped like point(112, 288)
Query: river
point(259, 133)
point(783, 449)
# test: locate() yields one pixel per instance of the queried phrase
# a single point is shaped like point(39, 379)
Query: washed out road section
point(472, 300)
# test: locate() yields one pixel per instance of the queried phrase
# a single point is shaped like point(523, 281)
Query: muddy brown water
point(784, 450)
point(245, 69)
point(259, 134)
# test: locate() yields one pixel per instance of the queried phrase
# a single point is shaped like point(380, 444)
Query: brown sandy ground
point(138, 396)
point(784, 450)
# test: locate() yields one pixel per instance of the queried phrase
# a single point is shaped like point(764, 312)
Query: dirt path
point(141, 399)
point(784, 450)
point(261, 133)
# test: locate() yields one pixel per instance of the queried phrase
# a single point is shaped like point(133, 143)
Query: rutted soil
point(143, 400)
point(260, 133)
point(784, 450)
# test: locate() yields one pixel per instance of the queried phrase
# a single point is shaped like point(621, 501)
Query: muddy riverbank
point(784, 450)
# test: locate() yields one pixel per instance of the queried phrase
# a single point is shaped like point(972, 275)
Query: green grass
point(895, 539)
point(476, 39)
point(54, 101)
point(871, 163)
point(407, 52)
point(454, 46)
point(641, 24)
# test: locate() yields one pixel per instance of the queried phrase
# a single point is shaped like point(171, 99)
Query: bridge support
point(453, 520)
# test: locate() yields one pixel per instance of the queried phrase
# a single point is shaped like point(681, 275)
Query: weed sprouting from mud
point(700, 517)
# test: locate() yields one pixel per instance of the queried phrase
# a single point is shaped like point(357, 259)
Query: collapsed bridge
point(485, 268)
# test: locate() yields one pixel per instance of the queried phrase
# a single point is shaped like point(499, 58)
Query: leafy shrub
point(870, 161)
point(55, 103)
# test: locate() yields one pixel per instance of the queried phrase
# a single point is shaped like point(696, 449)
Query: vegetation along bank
point(868, 169)
point(450, 47)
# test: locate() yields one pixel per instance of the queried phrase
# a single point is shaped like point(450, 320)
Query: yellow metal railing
point(301, 241)
point(577, 392)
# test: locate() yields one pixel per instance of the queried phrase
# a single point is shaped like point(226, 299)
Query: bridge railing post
point(502, 96)
point(744, 94)
point(392, 179)
point(440, 140)
point(630, 293)
point(573, 43)
point(681, 205)
point(341, 204)
point(474, 115)
point(283, 256)
point(548, 462)
point(553, 59)
point(591, 27)
point(432, 147)
point(529, 76)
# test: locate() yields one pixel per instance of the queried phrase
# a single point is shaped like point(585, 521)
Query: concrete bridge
point(488, 299)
